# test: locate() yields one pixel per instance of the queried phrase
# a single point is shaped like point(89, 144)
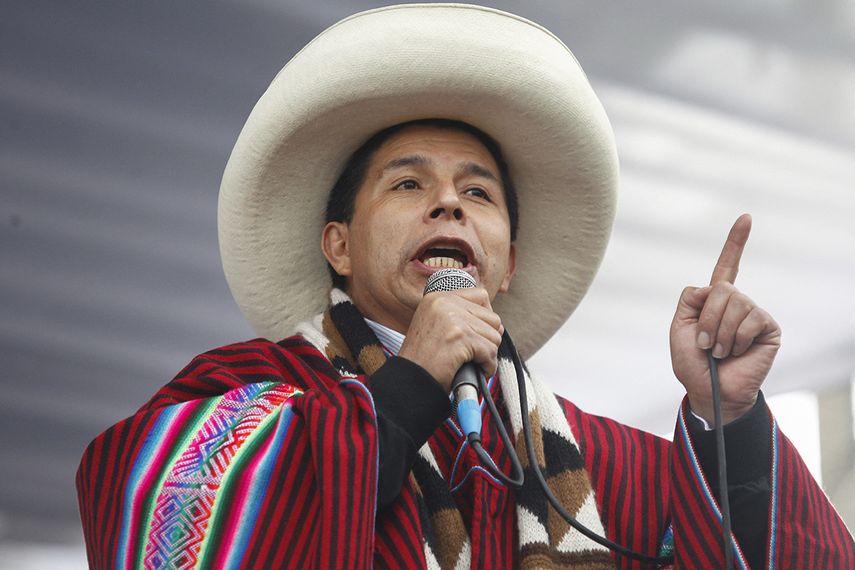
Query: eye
point(478, 193)
point(408, 184)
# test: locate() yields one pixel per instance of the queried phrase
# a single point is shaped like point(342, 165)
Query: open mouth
point(441, 253)
point(442, 257)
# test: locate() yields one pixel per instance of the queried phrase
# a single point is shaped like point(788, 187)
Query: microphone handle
point(465, 390)
point(467, 374)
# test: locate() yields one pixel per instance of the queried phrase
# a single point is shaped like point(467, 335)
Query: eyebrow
point(404, 161)
point(468, 167)
point(476, 169)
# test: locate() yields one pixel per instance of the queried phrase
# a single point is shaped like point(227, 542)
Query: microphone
point(465, 384)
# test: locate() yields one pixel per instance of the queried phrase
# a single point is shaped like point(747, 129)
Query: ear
point(334, 244)
point(512, 268)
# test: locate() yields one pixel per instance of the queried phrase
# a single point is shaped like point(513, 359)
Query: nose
point(446, 204)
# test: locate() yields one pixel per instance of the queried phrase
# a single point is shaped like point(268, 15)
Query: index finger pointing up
point(727, 265)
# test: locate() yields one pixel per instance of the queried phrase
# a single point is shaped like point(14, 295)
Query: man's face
point(431, 198)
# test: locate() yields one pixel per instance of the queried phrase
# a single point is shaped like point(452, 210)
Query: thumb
point(691, 303)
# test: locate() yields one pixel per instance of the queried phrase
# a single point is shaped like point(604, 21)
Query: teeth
point(443, 262)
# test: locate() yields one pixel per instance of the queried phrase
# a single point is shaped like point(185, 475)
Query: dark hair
point(342, 198)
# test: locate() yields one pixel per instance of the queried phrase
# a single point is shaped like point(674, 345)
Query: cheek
point(500, 239)
point(387, 234)
point(382, 243)
point(500, 252)
point(390, 234)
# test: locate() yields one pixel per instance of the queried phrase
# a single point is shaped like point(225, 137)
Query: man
point(333, 447)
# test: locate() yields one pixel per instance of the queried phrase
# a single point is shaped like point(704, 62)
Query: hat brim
point(501, 73)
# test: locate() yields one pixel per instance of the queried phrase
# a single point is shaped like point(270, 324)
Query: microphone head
point(449, 279)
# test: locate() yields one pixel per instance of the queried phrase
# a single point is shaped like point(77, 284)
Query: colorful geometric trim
point(773, 507)
point(699, 476)
point(155, 453)
point(186, 502)
point(161, 449)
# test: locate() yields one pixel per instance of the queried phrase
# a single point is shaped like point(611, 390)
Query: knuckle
point(763, 315)
point(757, 316)
point(435, 301)
point(742, 338)
point(486, 351)
point(455, 332)
point(725, 333)
point(743, 305)
point(743, 302)
point(496, 322)
point(707, 320)
point(493, 352)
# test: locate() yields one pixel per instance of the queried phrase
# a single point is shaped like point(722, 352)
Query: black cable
point(475, 442)
point(722, 462)
point(556, 504)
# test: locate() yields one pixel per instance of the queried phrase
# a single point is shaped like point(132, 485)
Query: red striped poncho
point(261, 455)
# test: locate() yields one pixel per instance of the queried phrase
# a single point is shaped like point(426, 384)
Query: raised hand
point(743, 337)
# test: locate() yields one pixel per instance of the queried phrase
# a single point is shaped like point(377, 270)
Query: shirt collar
point(390, 339)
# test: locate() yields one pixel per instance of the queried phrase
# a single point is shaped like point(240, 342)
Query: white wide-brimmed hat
point(503, 74)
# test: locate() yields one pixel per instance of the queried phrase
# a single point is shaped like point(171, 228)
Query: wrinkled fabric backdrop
point(116, 123)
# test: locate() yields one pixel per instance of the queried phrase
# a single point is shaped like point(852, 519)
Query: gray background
point(116, 122)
